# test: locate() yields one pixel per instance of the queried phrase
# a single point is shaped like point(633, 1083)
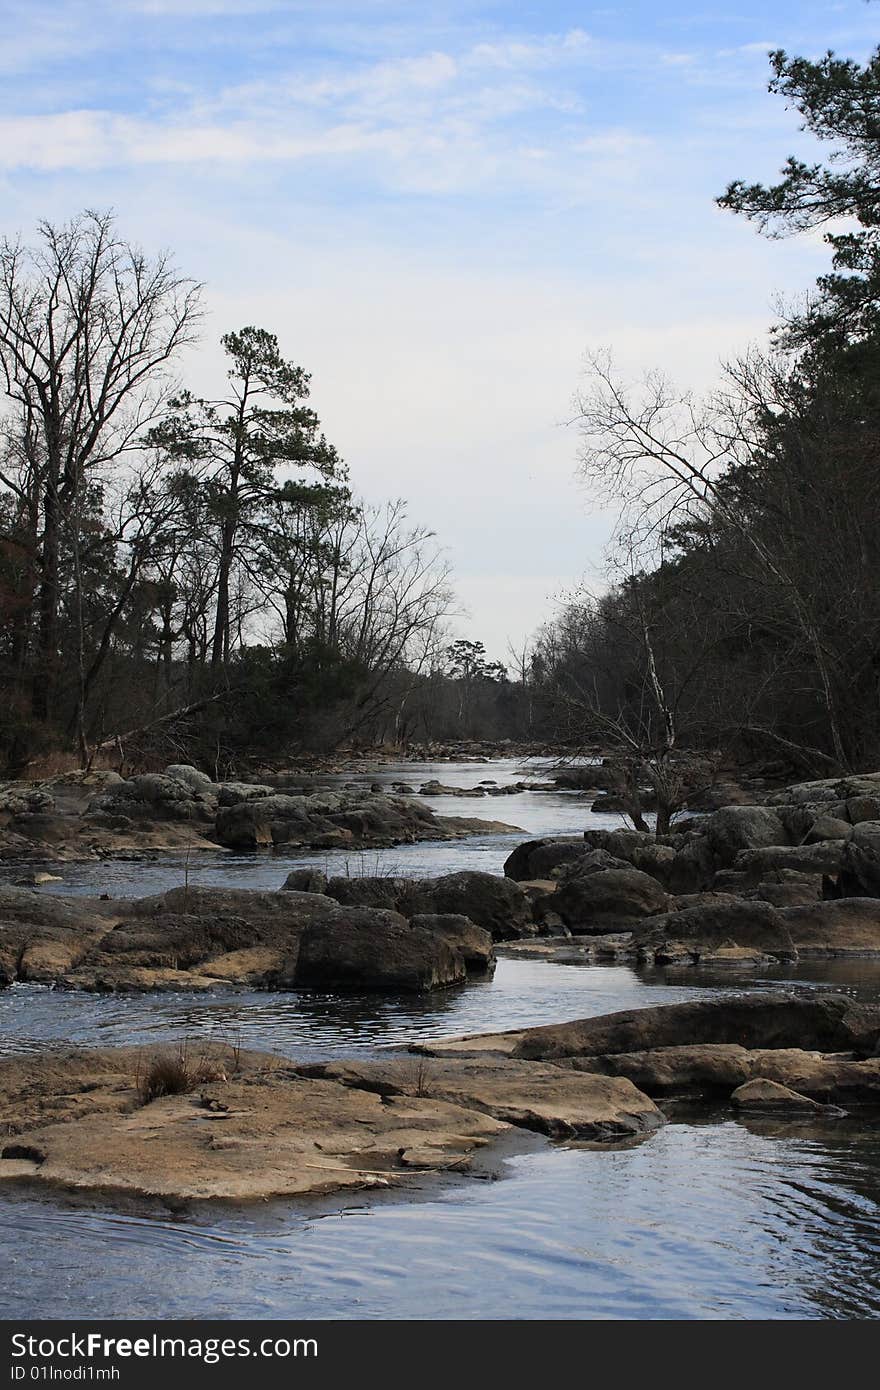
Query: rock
point(754, 924)
point(737, 828)
point(827, 828)
point(104, 976)
point(844, 927)
point(657, 860)
point(860, 864)
point(720, 795)
point(496, 904)
point(362, 948)
point(233, 793)
point(253, 1129)
point(862, 808)
point(709, 1070)
point(822, 858)
point(829, 1023)
point(827, 1078)
point(765, 1095)
point(191, 777)
point(473, 943)
point(563, 1104)
point(701, 1069)
point(255, 966)
point(389, 892)
point(795, 890)
point(155, 796)
point(248, 824)
point(46, 961)
point(692, 868)
point(436, 788)
point(202, 938)
point(305, 881)
point(738, 957)
point(594, 901)
point(537, 859)
point(827, 790)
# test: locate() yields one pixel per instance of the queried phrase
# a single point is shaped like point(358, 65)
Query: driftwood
point(119, 740)
point(801, 756)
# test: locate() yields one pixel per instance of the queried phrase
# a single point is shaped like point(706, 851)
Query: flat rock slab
point(252, 1128)
point(757, 1022)
point(720, 1068)
point(561, 1103)
point(828, 1023)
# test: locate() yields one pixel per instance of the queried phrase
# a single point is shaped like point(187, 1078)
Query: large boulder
point(497, 904)
point(598, 900)
point(257, 823)
point(233, 793)
point(827, 790)
point(689, 1069)
point(825, 857)
point(191, 777)
point(537, 859)
point(843, 927)
point(387, 891)
point(737, 828)
point(364, 948)
point(473, 943)
point(719, 921)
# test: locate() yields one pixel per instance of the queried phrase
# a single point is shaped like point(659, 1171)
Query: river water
point(712, 1217)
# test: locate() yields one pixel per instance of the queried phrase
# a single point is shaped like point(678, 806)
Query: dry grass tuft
point(175, 1075)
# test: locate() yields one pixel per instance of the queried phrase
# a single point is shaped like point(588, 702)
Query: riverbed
point(710, 1217)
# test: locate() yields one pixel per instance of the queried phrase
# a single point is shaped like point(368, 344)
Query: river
point(712, 1217)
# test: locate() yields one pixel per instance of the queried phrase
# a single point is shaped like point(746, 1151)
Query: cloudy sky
point(438, 207)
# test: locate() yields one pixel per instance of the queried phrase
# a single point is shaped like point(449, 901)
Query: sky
point(439, 208)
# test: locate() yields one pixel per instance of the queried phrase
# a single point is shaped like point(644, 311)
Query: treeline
point(178, 575)
point(745, 612)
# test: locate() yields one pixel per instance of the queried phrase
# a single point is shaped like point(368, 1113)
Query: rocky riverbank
point(746, 885)
point(208, 1121)
point(83, 816)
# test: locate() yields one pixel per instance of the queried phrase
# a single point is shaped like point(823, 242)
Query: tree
point(238, 444)
point(672, 463)
point(88, 326)
point(839, 101)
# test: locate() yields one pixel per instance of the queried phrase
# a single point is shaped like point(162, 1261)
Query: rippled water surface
point(708, 1218)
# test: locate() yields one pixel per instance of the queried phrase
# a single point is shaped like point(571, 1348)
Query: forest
point(198, 578)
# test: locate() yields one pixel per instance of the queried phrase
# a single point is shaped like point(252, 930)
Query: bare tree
point(88, 324)
point(665, 457)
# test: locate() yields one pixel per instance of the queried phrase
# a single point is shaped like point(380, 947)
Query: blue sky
point(438, 208)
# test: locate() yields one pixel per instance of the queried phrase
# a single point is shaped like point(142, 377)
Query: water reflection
point(521, 994)
point(708, 1220)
